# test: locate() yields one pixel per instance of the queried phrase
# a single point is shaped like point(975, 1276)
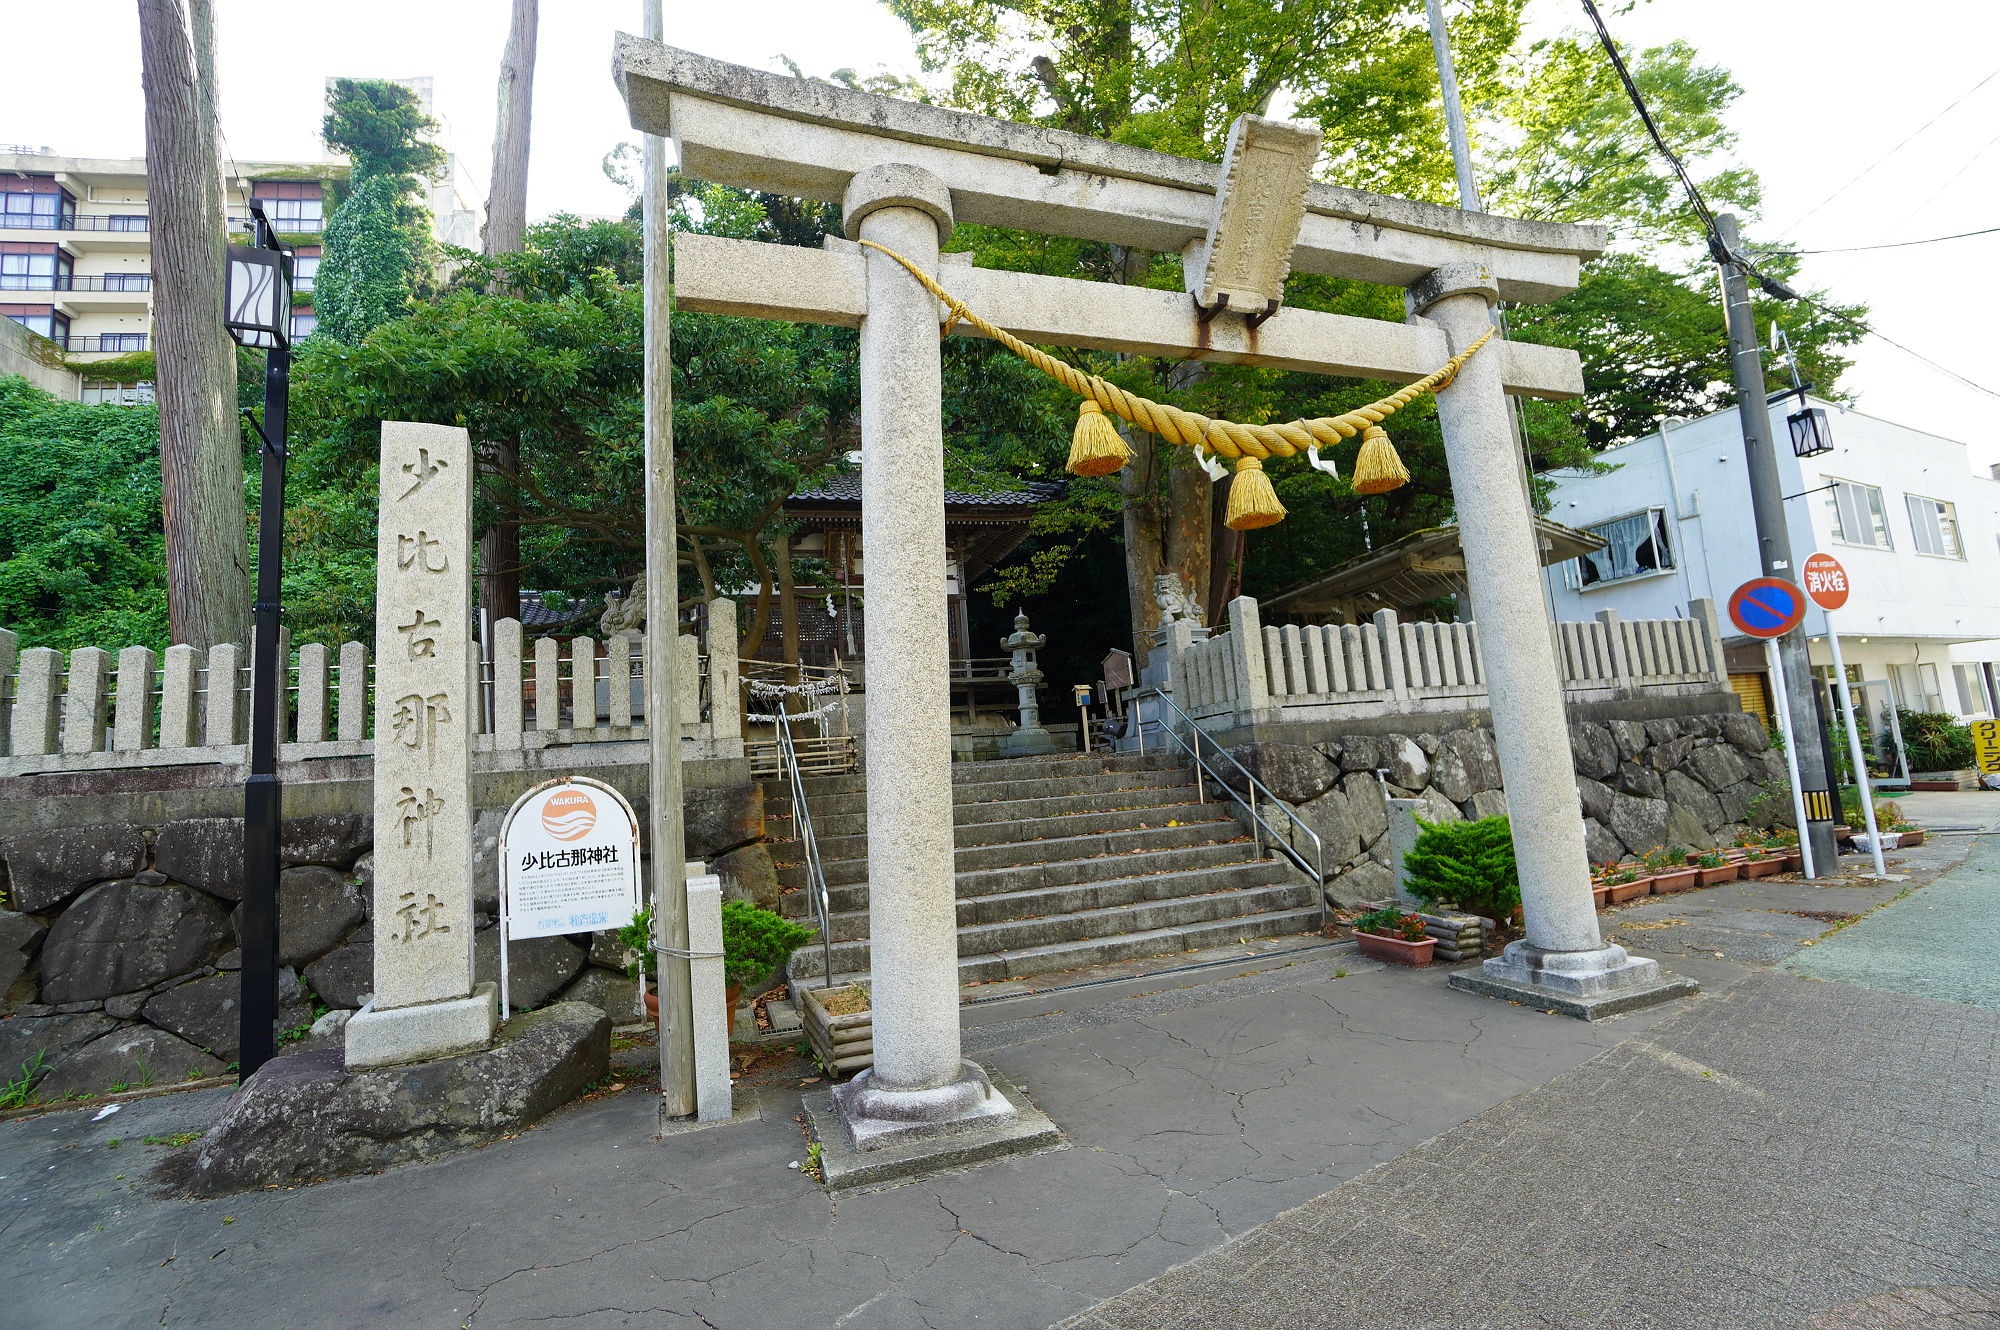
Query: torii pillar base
point(1588, 985)
point(1002, 1123)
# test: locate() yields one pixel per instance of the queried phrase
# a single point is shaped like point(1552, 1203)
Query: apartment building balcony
point(108, 344)
point(82, 232)
point(86, 293)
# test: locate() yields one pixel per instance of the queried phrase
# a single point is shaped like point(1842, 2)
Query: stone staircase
point(1062, 862)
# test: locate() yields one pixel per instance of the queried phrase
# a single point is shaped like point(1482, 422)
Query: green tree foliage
point(378, 248)
point(82, 554)
point(761, 408)
point(1557, 140)
point(1469, 864)
point(382, 126)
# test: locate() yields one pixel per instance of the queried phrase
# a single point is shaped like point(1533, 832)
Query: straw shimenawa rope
point(1098, 450)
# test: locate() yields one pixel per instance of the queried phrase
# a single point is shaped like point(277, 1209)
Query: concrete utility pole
point(1454, 112)
point(663, 600)
point(1774, 542)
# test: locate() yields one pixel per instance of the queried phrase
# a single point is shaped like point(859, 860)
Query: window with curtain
point(1934, 527)
point(1857, 513)
point(1634, 545)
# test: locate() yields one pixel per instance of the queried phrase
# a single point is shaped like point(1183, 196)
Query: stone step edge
point(1028, 893)
point(1045, 840)
point(1304, 915)
point(1110, 912)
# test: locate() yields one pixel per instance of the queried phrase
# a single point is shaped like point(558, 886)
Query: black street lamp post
point(258, 314)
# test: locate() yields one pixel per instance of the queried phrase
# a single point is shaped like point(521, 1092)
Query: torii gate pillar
point(1563, 964)
point(920, 1084)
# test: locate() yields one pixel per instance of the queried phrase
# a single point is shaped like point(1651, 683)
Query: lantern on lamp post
point(257, 311)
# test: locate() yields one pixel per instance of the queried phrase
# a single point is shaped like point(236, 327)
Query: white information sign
point(569, 863)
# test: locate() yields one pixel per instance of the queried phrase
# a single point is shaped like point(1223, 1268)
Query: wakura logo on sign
point(569, 860)
point(569, 814)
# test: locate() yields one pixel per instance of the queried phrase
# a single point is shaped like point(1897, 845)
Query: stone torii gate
point(904, 173)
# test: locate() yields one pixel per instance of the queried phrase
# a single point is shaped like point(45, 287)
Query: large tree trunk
point(507, 203)
point(201, 456)
point(500, 544)
point(506, 231)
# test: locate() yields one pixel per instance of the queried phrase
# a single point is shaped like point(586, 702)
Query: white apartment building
point(76, 247)
point(1916, 528)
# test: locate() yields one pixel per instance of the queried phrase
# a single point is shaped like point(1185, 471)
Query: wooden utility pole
point(201, 455)
point(507, 231)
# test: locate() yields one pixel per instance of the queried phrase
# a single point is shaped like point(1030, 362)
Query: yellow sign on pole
point(1986, 745)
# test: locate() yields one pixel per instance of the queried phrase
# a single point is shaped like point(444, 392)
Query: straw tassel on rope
point(1377, 467)
point(1097, 449)
point(1252, 501)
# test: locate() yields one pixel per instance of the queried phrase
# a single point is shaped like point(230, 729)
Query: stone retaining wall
point(1671, 780)
point(118, 941)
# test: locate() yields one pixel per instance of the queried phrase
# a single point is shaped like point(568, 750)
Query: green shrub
point(1935, 740)
point(1470, 864)
point(756, 941)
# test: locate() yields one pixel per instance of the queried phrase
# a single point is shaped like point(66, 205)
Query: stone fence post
point(1621, 658)
point(1253, 680)
point(1389, 630)
point(1702, 610)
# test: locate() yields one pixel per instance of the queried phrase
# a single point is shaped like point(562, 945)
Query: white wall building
point(1917, 530)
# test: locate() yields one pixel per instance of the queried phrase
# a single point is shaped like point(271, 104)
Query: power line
point(1700, 204)
point(1887, 155)
point(1721, 251)
point(1833, 313)
point(1899, 244)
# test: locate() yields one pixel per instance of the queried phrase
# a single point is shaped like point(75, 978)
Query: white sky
point(1830, 86)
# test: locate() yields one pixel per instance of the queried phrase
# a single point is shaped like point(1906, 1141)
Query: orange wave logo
point(569, 815)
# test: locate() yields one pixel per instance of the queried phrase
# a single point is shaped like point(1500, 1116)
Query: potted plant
point(1626, 882)
point(1912, 834)
point(1391, 935)
point(840, 1027)
point(1670, 868)
point(637, 939)
point(1711, 867)
point(1760, 857)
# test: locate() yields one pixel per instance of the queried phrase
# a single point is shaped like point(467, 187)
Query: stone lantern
point(1029, 738)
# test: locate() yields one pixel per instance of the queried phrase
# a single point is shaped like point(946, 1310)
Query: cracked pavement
point(1198, 1109)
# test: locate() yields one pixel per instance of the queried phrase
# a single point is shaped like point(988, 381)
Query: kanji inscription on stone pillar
point(423, 742)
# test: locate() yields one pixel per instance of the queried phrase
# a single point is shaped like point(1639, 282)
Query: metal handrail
point(1260, 829)
point(802, 827)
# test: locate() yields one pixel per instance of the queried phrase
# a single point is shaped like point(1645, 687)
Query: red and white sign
point(1826, 581)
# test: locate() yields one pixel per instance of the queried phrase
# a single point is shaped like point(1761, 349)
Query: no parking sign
point(1767, 607)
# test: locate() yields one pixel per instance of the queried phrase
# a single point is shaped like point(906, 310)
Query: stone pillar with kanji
point(425, 1002)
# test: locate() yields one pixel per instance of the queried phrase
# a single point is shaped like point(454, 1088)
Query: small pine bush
point(756, 941)
point(1470, 864)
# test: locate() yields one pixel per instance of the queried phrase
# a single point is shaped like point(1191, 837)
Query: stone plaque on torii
point(905, 173)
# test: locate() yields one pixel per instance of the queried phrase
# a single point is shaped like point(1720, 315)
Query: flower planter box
point(1708, 877)
point(1911, 838)
point(1395, 949)
point(1630, 891)
point(844, 1043)
point(1935, 786)
point(1764, 867)
point(1601, 895)
point(1674, 879)
point(1795, 861)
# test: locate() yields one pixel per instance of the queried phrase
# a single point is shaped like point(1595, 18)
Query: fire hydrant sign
point(1826, 581)
point(569, 860)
